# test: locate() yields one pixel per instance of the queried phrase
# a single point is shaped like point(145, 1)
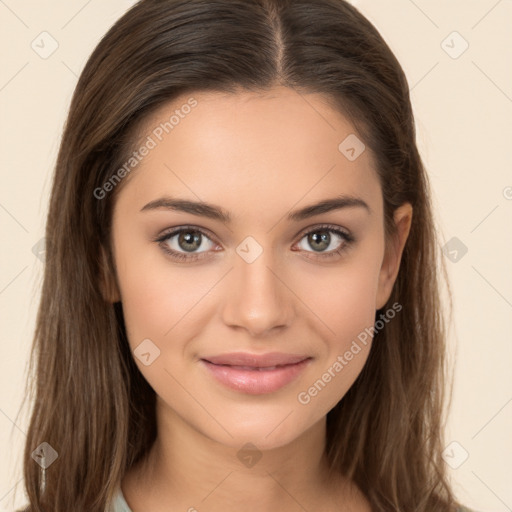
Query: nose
point(257, 297)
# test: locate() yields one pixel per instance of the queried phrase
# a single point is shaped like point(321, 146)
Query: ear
point(108, 280)
point(393, 254)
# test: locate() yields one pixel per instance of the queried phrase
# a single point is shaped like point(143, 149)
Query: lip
point(256, 360)
point(256, 373)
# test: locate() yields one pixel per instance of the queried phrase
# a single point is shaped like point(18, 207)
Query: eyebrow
point(211, 211)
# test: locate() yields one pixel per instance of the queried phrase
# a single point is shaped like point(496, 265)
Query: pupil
point(323, 240)
point(189, 238)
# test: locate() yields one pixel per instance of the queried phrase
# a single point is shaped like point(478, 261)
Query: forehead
point(278, 147)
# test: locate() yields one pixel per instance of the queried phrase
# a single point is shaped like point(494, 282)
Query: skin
point(259, 156)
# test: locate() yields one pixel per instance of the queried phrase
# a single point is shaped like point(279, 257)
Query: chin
point(267, 430)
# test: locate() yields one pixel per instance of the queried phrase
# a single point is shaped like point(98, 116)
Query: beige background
point(463, 109)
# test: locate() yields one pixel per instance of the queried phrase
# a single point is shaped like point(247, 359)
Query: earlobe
point(107, 279)
point(393, 254)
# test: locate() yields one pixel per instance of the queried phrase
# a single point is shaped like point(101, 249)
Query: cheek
point(342, 299)
point(158, 297)
point(344, 305)
point(157, 302)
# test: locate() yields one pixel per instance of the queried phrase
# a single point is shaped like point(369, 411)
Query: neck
point(185, 470)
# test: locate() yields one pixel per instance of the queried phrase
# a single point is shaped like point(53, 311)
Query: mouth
point(256, 374)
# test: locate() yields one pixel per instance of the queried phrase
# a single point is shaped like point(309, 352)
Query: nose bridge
point(257, 299)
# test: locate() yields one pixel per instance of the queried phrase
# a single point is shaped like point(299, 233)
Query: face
point(249, 313)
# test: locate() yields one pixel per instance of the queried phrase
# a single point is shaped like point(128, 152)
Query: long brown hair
point(91, 403)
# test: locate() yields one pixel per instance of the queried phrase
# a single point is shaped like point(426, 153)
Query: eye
point(190, 243)
point(185, 243)
point(326, 241)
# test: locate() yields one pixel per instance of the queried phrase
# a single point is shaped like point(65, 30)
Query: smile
point(253, 374)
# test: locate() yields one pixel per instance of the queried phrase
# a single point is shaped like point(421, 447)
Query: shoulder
point(119, 504)
point(465, 509)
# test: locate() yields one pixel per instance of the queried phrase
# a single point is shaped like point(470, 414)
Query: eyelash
point(348, 239)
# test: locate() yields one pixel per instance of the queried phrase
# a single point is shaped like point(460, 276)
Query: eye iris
point(324, 239)
point(187, 239)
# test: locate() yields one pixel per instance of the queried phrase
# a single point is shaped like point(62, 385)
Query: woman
point(240, 307)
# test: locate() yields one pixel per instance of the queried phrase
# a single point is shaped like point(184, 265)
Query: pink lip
point(256, 373)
